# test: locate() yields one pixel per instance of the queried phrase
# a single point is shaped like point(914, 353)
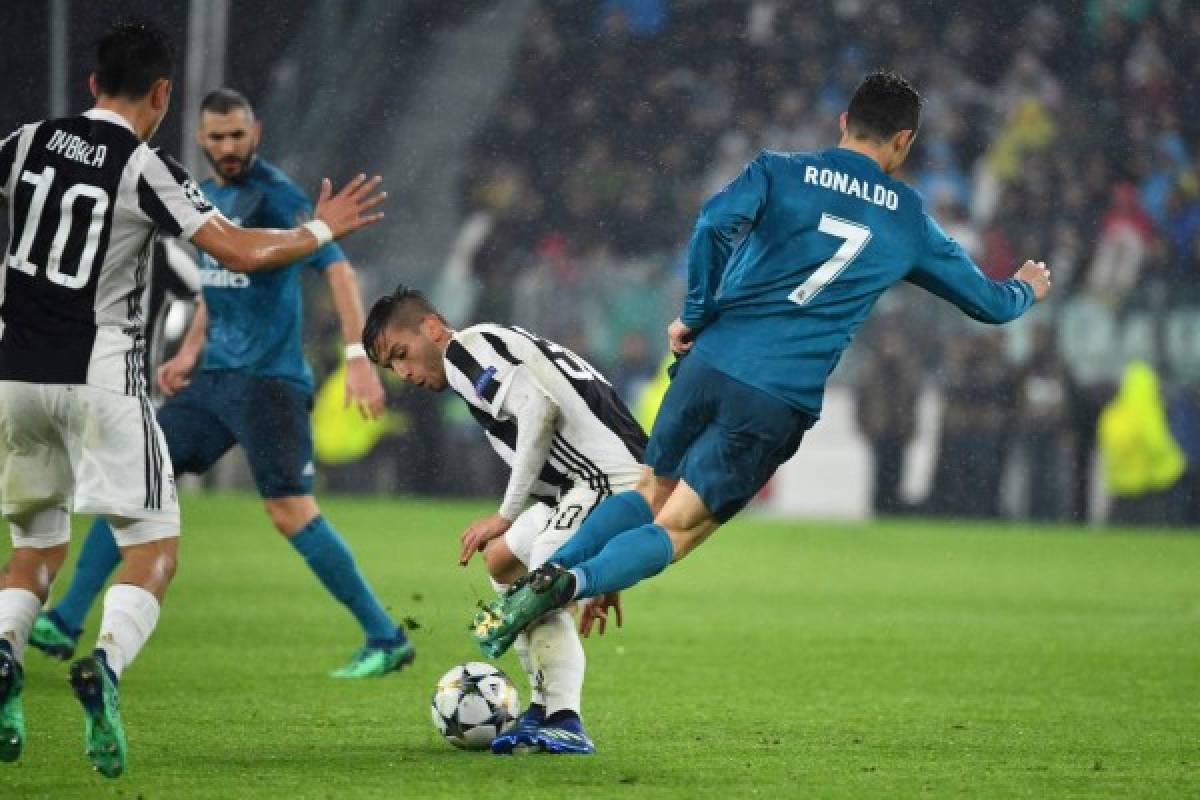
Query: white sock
point(18, 611)
point(521, 646)
point(559, 653)
point(130, 614)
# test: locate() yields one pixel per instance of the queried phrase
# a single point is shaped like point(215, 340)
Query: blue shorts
point(723, 437)
point(268, 417)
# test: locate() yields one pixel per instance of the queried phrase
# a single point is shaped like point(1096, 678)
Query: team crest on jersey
point(195, 196)
point(485, 377)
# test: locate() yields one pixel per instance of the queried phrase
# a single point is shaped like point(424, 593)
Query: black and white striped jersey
point(85, 199)
point(597, 442)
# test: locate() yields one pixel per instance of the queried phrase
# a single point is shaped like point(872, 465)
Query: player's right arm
point(169, 198)
point(946, 270)
point(515, 394)
point(176, 372)
point(727, 215)
point(250, 249)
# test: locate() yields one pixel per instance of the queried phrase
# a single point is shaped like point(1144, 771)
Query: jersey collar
point(846, 151)
point(105, 115)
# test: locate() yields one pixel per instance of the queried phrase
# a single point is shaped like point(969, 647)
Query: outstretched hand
point(347, 211)
point(595, 612)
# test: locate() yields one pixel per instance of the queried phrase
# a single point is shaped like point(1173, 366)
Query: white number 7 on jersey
point(856, 237)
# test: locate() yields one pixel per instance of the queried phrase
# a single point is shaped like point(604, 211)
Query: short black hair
point(224, 100)
point(883, 105)
point(130, 57)
point(405, 305)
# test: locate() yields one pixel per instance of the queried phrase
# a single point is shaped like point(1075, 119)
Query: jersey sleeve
point(287, 207)
point(180, 269)
point(946, 270)
point(8, 157)
point(169, 197)
point(478, 371)
point(728, 214)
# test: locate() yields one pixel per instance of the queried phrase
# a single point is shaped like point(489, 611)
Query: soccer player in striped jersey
point(570, 443)
point(85, 198)
point(240, 377)
point(784, 265)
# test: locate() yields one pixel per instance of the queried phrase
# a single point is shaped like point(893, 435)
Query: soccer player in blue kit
point(240, 377)
point(783, 266)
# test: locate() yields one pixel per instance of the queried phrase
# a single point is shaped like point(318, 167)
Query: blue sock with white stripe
point(97, 560)
point(630, 557)
point(617, 514)
point(329, 557)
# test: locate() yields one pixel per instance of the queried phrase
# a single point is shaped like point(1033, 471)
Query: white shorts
point(82, 449)
point(537, 533)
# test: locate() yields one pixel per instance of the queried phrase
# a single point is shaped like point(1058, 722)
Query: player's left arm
point(727, 215)
point(363, 387)
point(8, 156)
point(946, 270)
point(523, 398)
point(288, 205)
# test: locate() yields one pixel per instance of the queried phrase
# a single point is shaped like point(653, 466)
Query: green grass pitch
point(784, 659)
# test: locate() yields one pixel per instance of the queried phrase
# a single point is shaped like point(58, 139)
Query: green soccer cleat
point(103, 731)
point(51, 638)
point(547, 588)
point(374, 662)
point(12, 717)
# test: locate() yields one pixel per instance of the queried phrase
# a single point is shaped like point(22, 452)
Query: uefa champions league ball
point(473, 704)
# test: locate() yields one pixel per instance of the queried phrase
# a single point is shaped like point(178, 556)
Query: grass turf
point(784, 659)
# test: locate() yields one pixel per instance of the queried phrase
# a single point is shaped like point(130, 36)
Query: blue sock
point(329, 557)
point(617, 514)
point(627, 559)
point(97, 560)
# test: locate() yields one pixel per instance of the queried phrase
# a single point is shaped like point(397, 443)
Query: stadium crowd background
point(1060, 131)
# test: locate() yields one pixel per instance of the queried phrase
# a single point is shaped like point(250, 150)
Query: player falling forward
point(86, 197)
point(783, 266)
point(570, 442)
point(241, 377)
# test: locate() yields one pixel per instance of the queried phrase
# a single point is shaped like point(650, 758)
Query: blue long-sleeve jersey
point(786, 262)
point(254, 319)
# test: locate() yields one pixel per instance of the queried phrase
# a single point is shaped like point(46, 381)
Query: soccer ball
point(473, 704)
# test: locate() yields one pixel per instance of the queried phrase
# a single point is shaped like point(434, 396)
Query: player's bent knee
point(502, 565)
point(685, 540)
point(290, 515)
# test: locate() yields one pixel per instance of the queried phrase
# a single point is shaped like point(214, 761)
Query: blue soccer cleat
point(523, 735)
point(565, 737)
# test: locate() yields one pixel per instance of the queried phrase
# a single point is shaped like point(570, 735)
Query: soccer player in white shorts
point(86, 197)
point(570, 443)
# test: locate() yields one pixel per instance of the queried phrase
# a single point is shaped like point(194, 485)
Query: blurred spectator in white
point(1126, 233)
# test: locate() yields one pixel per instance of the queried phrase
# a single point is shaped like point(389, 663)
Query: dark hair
point(883, 105)
point(130, 57)
point(224, 100)
point(406, 306)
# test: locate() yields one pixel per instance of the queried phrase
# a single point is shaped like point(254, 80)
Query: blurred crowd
point(1060, 131)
